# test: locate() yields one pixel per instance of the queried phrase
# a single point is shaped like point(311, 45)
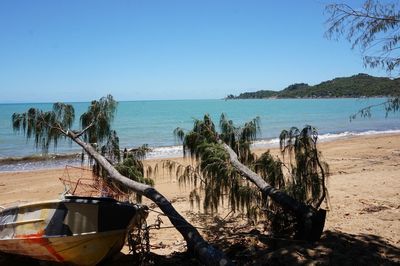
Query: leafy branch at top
point(374, 28)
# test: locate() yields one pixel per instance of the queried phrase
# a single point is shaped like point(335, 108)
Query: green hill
point(254, 95)
point(361, 85)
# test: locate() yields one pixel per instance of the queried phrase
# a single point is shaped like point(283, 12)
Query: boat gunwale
point(30, 204)
point(74, 199)
point(22, 222)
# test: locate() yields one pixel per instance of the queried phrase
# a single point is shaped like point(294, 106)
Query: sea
point(153, 123)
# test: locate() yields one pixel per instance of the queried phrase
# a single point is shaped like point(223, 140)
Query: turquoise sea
point(152, 123)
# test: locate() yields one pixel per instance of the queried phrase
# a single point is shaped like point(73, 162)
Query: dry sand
point(363, 218)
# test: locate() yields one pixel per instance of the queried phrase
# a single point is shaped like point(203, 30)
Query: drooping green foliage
point(214, 177)
point(139, 152)
point(301, 174)
point(111, 148)
point(64, 113)
point(132, 167)
point(270, 169)
point(240, 138)
point(196, 141)
point(48, 127)
point(306, 181)
point(97, 120)
point(179, 134)
point(45, 127)
point(391, 105)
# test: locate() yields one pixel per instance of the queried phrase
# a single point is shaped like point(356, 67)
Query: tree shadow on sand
point(334, 248)
point(254, 248)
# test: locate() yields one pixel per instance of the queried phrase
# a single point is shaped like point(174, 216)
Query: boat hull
point(77, 250)
point(76, 230)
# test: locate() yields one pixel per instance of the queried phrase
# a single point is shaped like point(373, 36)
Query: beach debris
point(139, 242)
point(374, 208)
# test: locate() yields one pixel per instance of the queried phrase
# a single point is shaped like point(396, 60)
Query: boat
point(74, 230)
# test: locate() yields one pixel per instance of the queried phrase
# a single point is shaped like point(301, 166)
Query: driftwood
point(310, 221)
point(206, 253)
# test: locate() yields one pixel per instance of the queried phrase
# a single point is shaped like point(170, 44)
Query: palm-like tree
point(48, 127)
point(225, 158)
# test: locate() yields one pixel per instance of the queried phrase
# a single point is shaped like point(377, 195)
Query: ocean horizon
point(152, 122)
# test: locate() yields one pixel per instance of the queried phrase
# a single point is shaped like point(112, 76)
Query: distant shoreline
point(35, 158)
point(310, 98)
point(56, 161)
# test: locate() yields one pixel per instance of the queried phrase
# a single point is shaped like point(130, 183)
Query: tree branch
point(310, 221)
point(352, 12)
point(58, 127)
point(206, 253)
point(84, 130)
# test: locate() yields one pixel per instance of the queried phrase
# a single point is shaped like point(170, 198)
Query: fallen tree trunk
point(206, 253)
point(310, 221)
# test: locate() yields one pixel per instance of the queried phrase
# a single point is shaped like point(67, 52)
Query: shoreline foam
point(53, 161)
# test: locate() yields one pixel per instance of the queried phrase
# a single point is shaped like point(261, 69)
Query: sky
point(80, 50)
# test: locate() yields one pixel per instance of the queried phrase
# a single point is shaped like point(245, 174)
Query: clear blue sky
point(145, 50)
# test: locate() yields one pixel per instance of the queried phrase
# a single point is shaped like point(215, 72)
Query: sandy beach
point(363, 217)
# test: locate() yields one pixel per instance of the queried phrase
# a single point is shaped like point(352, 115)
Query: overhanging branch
point(310, 221)
point(77, 135)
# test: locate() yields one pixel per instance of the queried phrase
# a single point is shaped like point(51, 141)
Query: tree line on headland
point(360, 85)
